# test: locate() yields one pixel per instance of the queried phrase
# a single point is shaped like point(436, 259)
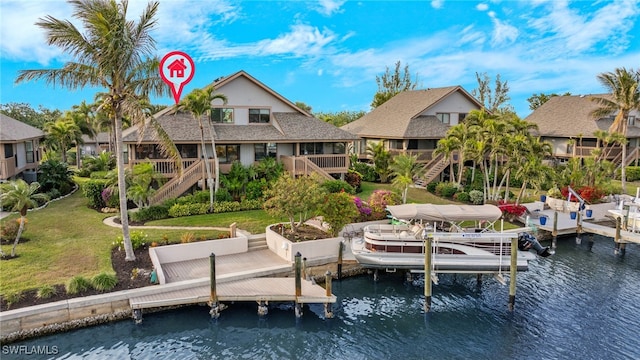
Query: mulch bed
point(305, 232)
point(124, 270)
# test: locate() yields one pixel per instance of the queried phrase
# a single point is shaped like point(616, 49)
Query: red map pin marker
point(177, 69)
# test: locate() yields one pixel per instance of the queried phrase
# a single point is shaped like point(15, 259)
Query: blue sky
point(327, 53)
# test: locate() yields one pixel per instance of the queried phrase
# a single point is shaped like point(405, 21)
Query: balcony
point(7, 168)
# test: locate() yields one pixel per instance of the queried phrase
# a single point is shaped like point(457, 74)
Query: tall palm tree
point(118, 55)
point(447, 146)
point(64, 132)
point(404, 169)
point(623, 86)
point(198, 103)
point(20, 196)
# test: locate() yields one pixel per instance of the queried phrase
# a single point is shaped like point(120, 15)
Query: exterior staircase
point(434, 169)
point(178, 185)
point(258, 242)
point(631, 157)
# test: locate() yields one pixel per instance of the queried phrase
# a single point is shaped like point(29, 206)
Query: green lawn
point(253, 221)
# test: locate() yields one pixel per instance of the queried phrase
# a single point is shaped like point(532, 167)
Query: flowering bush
point(138, 240)
point(590, 194)
point(379, 200)
point(363, 209)
point(510, 210)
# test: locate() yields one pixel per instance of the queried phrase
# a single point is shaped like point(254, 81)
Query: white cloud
point(503, 33)
point(329, 7)
point(482, 7)
point(437, 4)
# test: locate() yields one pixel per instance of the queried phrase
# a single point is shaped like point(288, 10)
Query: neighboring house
point(566, 123)
point(19, 150)
point(93, 147)
point(256, 122)
point(412, 122)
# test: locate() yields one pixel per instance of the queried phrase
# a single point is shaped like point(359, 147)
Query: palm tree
point(447, 146)
point(624, 97)
point(404, 169)
point(117, 54)
point(198, 103)
point(64, 132)
point(381, 159)
point(20, 196)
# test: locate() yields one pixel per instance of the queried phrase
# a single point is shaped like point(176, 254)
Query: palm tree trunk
point(207, 166)
point(215, 159)
point(524, 186)
point(20, 229)
point(623, 171)
point(122, 190)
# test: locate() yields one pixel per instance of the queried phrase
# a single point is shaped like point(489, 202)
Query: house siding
point(454, 104)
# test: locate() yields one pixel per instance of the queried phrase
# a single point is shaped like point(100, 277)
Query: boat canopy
point(451, 213)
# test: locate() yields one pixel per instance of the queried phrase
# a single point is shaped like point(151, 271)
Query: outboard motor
point(527, 242)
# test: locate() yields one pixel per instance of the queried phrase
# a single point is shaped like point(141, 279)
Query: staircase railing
point(435, 168)
point(178, 185)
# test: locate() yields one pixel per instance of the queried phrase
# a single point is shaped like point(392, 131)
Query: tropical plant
point(381, 158)
point(117, 54)
point(55, 175)
point(198, 103)
point(624, 95)
point(338, 210)
point(104, 281)
point(45, 292)
point(63, 133)
point(77, 284)
point(142, 180)
point(404, 169)
point(20, 196)
point(294, 197)
point(104, 161)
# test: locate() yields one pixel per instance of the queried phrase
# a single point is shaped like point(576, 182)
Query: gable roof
point(12, 130)
point(399, 117)
point(570, 116)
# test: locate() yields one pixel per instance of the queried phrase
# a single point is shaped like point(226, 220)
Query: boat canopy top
point(450, 213)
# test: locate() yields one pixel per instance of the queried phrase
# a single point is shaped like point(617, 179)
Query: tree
point(294, 197)
point(141, 181)
point(404, 168)
point(303, 106)
point(623, 86)
point(198, 103)
point(495, 99)
point(340, 118)
point(381, 159)
point(25, 113)
point(20, 196)
point(63, 132)
point(536, 100)
point(389, 85)
point(338, 210)
point(117, 54)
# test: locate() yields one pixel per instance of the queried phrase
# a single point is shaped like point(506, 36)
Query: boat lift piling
point(579, 227)
point(513, 270)
point(554, 232)
point(298, 306)
point(213, 299)
point(328, 312)
point(340, 250)
point(427, 274)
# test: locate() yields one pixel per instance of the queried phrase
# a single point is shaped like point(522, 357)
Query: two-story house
point(256, 122)
point(567, 124)
point(19, 149)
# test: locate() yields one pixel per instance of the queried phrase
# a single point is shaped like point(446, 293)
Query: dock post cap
point(298, 254)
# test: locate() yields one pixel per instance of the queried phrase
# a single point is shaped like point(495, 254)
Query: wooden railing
point(178, 185)
point(7, 167)
point(321, 164)
point(165, 166)
point(435, 167)
point(424, 155)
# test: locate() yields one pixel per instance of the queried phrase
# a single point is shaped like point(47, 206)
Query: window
point(261, 116)
point(262, 151)
point(8, 150)
point(311, 148)
point(443, 117)
point(222, 115)
point(632, 120)
point(336, 148)
point(147, 151)
point(28, 146)
point(228, 153)
point(188, 151)
point(461, 117)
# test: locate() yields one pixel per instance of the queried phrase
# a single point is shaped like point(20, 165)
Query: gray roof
point(102, 137)
point(288, 127)
point(570, 116)
point(12, 130)
point(399, 117)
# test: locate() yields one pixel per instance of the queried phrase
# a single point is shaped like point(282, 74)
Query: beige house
point(413, 121)
point(256, 122)
point(566, 123)
point(19, 149)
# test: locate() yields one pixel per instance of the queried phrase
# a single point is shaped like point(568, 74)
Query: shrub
point(223, 195)
point(45, 292)
point(510, 210)
point(380, 199)
point(431, 187)
point(226, 206)
point(104, 281)
point(138, 240)
point(633, 173)
point(187, 237)
point(201, 196)
point(12, 297)
point(476, 197)
point(179, 210)
point(367, 171)
point(92, 190)
point(98, 175)
point(77, 284)
point(9, 230)
point(155, 212)
point(354, 179)
point(446, 189)
point(336, 186)
point(462, 197)
point(363, 209)
point(255, 189)
point(255, 204)
point(338, 210)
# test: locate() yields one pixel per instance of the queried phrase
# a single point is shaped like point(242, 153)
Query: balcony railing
point(7, 167)
point(304, 165)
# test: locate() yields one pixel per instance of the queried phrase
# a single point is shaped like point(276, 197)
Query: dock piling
point(328, 312)
point(554, 232)
point(427, 274)
point(579, 228)
point(340, 250)
point(513, 270)
point(616, 238)
point(213, 297)
point(263, 309)
point(298, 305)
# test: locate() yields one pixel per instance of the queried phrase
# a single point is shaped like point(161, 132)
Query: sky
point(327, 53)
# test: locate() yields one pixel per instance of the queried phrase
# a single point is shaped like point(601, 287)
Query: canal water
point(578, 304)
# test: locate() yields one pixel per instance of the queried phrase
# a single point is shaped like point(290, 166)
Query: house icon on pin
point(177, 68)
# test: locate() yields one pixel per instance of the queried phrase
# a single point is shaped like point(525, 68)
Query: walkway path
point(110, 221)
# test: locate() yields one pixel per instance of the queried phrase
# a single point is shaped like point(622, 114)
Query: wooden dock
point(568, 226)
